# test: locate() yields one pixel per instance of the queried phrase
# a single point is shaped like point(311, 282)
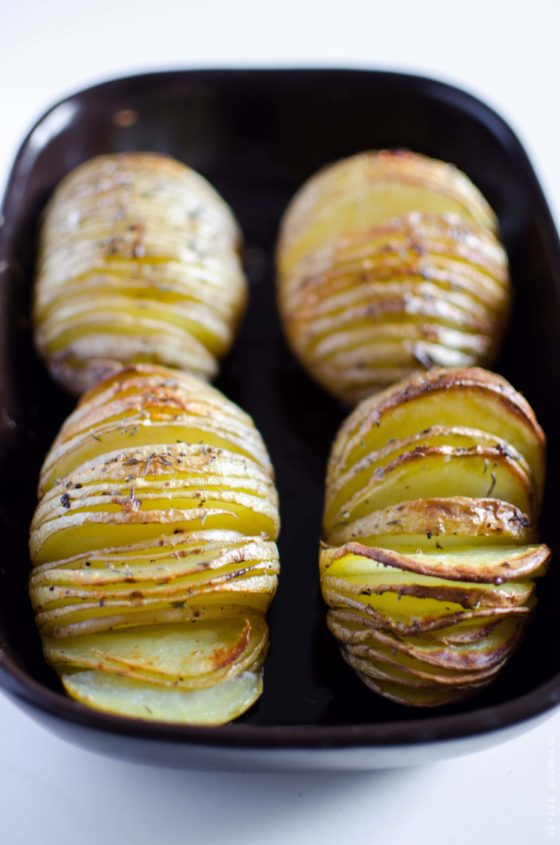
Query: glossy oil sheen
point(257, 135)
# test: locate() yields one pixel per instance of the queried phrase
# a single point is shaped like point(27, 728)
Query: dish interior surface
point(257, 135)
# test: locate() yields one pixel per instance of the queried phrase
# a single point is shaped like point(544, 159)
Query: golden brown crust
point(511, 565)
point(439, 380)
point(457, 516)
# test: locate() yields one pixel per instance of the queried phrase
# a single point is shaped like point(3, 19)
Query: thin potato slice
point(486, 651)
point(465, 397)
point(438, 524)
point(496, 565)
point(138, 699)
point(150, 406)
point(439, 472)
point(370, 188)
point(190, 656)
point(420, 697)
point(360, 474)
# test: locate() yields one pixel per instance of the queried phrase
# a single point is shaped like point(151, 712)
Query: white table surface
point(508, 54)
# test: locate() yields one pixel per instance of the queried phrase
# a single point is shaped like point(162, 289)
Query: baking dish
point(257, 135)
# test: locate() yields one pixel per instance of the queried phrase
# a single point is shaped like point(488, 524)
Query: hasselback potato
point(138, 262)
point(153, 549)
point(389, 264)
point(430, 554)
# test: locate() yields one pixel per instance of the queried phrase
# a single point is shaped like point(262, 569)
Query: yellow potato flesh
point(459, 407)
point(404, 610)
point(185, 655)
point(214, 705)
point(91, 618)
point(440, 476)
point(485, 564)
point(147, 563)
point(379, 579)
point(367, 206)
point(409, 671)
point(361, 473)
point(98, 315)
point(412, 543)
point(88, 534)
point(138, 433)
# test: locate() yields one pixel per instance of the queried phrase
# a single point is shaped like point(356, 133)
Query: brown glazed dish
point(257, 135)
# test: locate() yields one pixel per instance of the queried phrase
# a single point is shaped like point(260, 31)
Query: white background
point(508, 54)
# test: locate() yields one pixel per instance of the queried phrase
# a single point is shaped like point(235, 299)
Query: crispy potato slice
point(376, 583)
point(150, 406)
point(161, 561)
point(432, 524)
point(370, 188)
point(131, 494)
point(489, 649)
point(496, 565)
point(433, 696)
point(354, 480)
point(194, 655)
point(214, 705)
point(411, 614)
point(67, 622)
point(439, 472)
point(410, 672)
point(464, 397)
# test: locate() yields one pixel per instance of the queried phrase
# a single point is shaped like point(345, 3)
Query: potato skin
point(428, 596)
point(139, 260)
point(155, 533)
point(389, 264)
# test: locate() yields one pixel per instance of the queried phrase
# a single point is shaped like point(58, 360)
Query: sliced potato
point(384, 241)
point(189, 656)
point(437, 524)
point(496, 565)
point(464, 397)
point(135, 216)
point(154, 560)
point(372, 187)
point(433, 649)
point(213, 705)
point(430, 577)
point(370, 468)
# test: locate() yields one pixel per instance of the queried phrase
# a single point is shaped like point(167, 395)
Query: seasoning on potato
point(138, 262)
point(433, 491)
point(153, 549)
point(389, 264)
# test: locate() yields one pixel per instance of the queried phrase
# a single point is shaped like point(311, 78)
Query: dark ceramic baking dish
point(257, 135)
